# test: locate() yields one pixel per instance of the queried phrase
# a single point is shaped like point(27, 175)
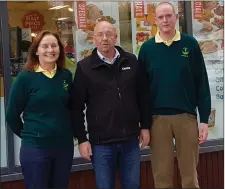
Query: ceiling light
point(63, 18)
point(58, 7)
point(70, 9)
point(33, 34)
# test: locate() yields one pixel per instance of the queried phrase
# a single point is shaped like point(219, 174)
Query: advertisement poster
point(33, 20)
point(208, 29)
point(143, 23)
point(87, 15)
point(215, 70)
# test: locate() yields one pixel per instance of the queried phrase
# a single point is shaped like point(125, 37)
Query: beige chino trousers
point(183, 128)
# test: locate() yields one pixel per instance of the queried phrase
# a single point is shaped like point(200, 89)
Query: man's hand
point(144, 137)
point(85, 150)
point(203, 132)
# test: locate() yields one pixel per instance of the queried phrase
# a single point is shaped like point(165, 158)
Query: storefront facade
point(74, 22)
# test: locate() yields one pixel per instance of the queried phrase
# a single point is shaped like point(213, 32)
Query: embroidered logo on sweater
point(65, 85)
point(185, 52)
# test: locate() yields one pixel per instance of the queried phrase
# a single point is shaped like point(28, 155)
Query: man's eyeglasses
point(108, 35)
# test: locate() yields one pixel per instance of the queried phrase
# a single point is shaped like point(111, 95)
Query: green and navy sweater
point(177, 76)
point(44, 105)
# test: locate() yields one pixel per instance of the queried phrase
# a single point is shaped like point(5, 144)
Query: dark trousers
point(46, 168)
point(107, 157)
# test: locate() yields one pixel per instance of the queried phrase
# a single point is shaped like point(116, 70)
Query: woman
point(38, 113)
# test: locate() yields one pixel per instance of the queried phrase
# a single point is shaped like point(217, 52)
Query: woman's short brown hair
point(32, 58)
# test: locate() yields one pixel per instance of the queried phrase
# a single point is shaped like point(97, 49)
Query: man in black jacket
point(113, 87)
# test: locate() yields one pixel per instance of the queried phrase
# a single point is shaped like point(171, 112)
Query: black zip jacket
point(115, 97)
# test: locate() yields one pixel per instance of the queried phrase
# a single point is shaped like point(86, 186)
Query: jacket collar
point(117, 55)
point(96, 61)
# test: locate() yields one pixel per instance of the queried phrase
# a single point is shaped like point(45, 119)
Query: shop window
point(208, 30)
point(3, 157)
point(3, 160)
point(74, 21)
point(28, 18)
point(133, 27)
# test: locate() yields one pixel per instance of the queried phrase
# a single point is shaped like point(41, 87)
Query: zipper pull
point(119, 92)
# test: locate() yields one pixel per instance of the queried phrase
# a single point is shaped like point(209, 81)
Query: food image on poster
point(211, 46)
point(94, 15)
point(212, 118)
point(86, 52)
point(143, 22)
point(208, 18)
point(208, 28)
point(217, 35)
point(87, 15)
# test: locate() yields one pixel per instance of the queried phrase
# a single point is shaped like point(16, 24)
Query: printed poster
point(143, 22)
point(87, 15)
point(215, 71)
point(208, 29)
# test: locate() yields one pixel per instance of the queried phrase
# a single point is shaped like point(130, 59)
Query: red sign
point(81, 15)
point(33, 20)
point(139, 9)
point(198, 9)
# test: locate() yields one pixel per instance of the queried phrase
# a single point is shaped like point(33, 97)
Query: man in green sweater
point(178, 86)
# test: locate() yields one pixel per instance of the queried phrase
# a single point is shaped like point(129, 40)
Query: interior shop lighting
point(62, 18)
point(70, 9)
point(33, 34)
point(58, 7)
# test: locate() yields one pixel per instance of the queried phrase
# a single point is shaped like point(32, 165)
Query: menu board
point(87, 15)
point(143, 23)
point(208, 29)
point(215, 70)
